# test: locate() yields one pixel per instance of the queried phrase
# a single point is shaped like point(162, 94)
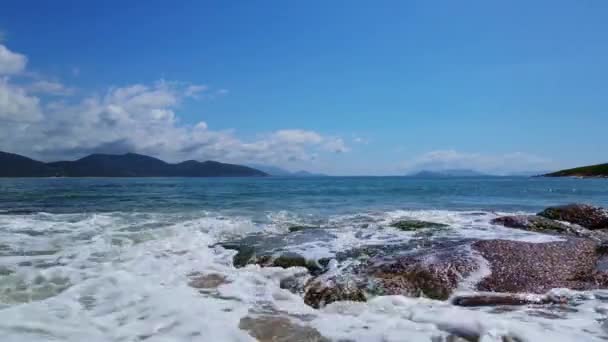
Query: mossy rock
point(531, 223)
point(289, 259)
point(584, 215)
point(411, 225)
point(245, 254)
point(299, 228)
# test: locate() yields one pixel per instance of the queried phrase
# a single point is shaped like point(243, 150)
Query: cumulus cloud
point(50, 88)
point(16, 105)
point(137, 118)
point(11, 62)
point(494, 164)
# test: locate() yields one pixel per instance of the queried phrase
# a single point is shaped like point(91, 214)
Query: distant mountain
point(14, 165)
point(447, 173)
point(527, 173)
point(599, 171)
point(272, 170)
point(279, 172)
point(124, 165)
point(302, 173)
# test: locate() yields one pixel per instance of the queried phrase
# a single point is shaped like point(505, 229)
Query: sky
point(339, 87)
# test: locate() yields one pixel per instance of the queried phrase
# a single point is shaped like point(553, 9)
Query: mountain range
point(447, 173)
point(279, 172)
point(123, 165)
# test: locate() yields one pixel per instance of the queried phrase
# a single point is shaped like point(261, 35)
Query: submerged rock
point(523, 267)
point(511, 299)
point(533, 223)
point(582, 214)
point(279, 329)
point(290, 259)
point(245, 254)
point(410, 225)
point(544, 225)
point(208, 281)
point(294, 229)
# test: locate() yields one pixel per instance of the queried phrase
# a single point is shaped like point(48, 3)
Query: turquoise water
point(103, 259)
point(328, 195)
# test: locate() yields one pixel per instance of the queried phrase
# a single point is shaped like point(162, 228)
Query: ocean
point(102, 259)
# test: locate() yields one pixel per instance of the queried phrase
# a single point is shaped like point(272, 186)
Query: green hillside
point(600, 170)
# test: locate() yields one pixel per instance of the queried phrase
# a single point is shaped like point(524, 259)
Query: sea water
point(104, 259)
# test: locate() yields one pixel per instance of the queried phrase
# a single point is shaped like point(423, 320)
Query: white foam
point(128, 278)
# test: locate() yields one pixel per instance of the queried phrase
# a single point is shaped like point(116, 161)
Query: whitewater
point(118, 260)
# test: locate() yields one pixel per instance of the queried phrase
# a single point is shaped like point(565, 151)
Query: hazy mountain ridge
point(123, 165)
point(280, 172)
point(447, 173)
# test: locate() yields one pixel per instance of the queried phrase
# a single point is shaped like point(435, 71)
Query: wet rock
point(289, 259)
point(496, 299)
point(321, 292)
point(4, 271)
point(295, 284)
point(410, 225)
point(544, 225)
point(208, 281)
point(532, 223)
point(294, 229)
point(279, 329)
point(245, 254)
point(434, 275)
point(584, 215)
point(538, 267)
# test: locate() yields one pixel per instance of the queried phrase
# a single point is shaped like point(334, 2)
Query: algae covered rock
point(411, 225)
point(582, 214)
point(298, 228)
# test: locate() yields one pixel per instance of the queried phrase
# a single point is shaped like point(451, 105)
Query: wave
point(123, 276)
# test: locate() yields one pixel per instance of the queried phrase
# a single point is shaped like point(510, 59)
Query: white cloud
point(298, 136)
point(195, 89)
point(50, 88)
point(495, 164)
point(10, 62)
point(16, 105)
point(336, 145)
point(136, 118)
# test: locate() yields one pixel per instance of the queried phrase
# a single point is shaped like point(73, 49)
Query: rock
point(495, 299)
point(294, 229)
point(410, 225)
point(295, 284)
point(279, 329)
point(244, 255)
point(290, 259)
point(544, 225)
point(208, 281)
point(434, 275)
point(523, 267)
point(532, 223)
point(584, 215)
point(320, 292)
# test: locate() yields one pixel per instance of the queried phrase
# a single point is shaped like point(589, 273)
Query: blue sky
point(342, 87)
